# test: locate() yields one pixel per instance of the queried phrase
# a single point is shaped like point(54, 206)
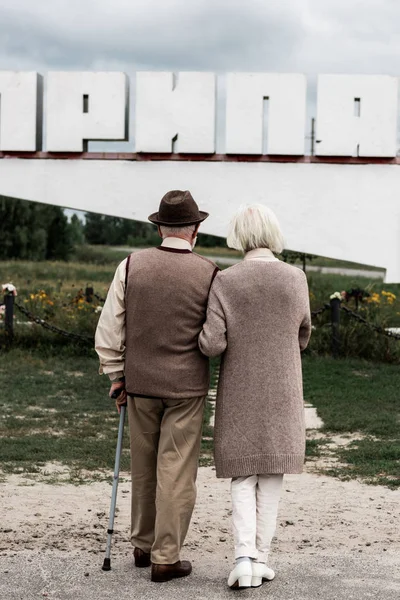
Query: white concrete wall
point(90, 106)
point(350, 212)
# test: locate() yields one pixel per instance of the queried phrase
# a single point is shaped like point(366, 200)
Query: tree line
point(114, 231)
point(35, 231)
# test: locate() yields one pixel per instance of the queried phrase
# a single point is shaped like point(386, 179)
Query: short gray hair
point(186, 230)
point(255, 226)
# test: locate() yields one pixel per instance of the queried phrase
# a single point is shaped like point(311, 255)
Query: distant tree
point(59, 245)
point(76, 231)
point(32, 231)
point(115, 231)
point(210, 241)
point(95, 228)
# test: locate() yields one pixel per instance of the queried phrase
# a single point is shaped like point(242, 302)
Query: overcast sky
point(306, 36)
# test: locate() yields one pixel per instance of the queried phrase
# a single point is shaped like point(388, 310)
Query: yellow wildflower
point(390, 297)
point(374, 298)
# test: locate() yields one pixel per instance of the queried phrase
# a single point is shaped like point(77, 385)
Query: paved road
point(29, 576)
point(345, 271)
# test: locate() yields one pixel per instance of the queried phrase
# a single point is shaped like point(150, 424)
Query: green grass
point(354, 396)
point(56, 276)
point(99, 255)
point(314, 448)
point(374, 461)
point(56, 409)
point(68, 418)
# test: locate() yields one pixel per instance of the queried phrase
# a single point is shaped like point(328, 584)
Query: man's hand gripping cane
point(118, 392)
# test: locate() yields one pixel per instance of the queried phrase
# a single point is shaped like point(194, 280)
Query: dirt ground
point(318, 514)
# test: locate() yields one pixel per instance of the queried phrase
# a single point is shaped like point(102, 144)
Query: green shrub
point(53, 290)
point(358, 339)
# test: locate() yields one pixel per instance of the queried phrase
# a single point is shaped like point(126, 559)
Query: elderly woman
point(258, 318)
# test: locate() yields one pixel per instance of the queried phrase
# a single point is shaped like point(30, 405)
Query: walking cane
point(107, 561)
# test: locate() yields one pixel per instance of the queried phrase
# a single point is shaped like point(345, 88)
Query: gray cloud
point(206, 35)
point(362, 36)
point(309, 36)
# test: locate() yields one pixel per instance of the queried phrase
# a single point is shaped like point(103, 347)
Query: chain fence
point(319, 311)
point(315, 313)
point(357, 317)
point(76, 336)
point(377, 328)
point(73, 336)
point(99, 298)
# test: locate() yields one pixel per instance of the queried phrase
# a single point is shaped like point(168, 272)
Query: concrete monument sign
point(344, 202)
point(356, 115)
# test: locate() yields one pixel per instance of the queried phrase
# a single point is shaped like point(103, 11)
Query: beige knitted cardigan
point(258, 318)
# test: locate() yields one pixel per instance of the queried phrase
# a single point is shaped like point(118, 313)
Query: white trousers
point(255, 501)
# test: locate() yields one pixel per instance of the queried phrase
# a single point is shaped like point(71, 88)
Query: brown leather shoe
point(142, 559)
point(160, 573)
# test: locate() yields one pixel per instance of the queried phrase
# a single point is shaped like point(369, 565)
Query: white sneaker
point(260, 572)
point(241, 576)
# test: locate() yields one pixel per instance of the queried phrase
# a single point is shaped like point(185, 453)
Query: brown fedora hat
point(177, 209)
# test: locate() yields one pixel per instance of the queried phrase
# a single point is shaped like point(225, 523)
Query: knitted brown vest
point(166, 300)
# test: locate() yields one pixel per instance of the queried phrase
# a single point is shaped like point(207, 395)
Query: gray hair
point(186, 230)
point(255, 226)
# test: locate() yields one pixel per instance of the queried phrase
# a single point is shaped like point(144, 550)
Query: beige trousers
point(165, 438)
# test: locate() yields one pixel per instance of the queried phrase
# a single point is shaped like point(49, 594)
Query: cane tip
point(106, 565)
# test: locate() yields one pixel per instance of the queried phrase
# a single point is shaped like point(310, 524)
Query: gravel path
point(335, 540)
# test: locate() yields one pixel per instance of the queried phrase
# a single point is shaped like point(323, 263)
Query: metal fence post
point(9, 317)
point(335, 321)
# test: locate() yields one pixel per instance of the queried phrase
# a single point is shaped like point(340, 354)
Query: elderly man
point(146, 340)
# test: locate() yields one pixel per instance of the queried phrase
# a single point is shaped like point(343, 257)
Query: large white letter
point(21, 97)
point(83, 107)
point(248, 96)
point(181, 111)
point(356, 115)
